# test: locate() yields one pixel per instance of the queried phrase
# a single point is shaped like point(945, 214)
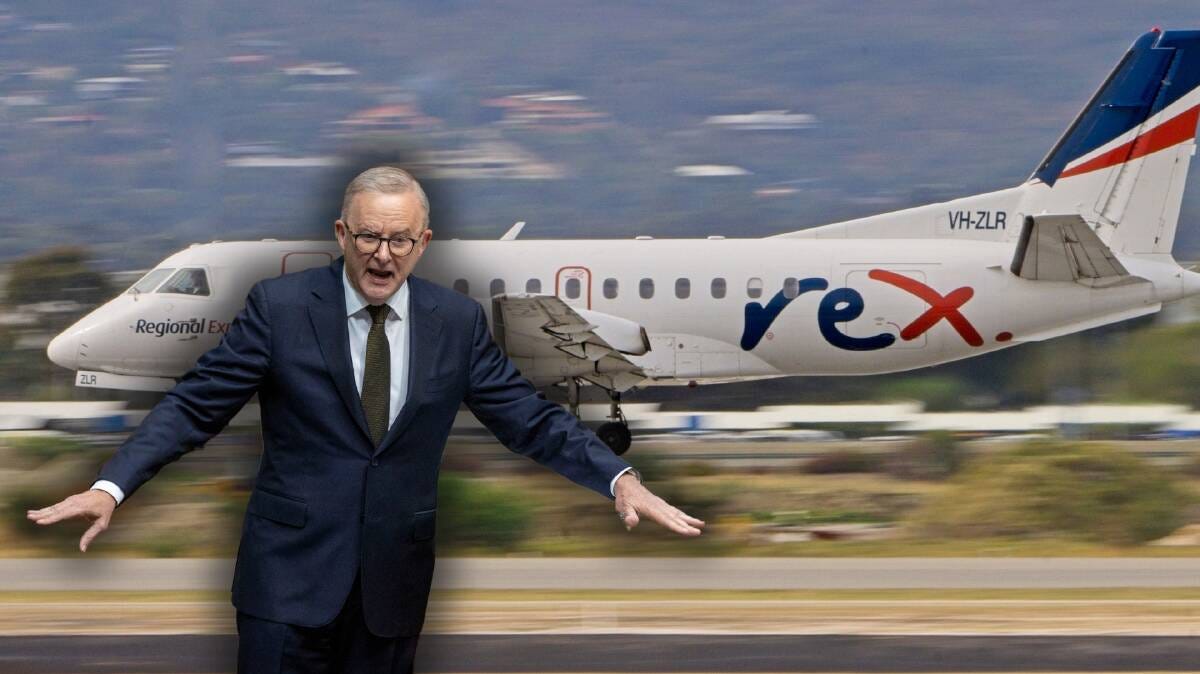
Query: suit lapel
point(424, 328)
point(327, 311)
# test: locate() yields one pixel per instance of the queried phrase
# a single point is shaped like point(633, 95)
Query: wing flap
point(555, 340)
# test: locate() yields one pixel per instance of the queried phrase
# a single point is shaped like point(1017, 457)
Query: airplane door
point(886, 308)
point(573, 285)
point(300, 261)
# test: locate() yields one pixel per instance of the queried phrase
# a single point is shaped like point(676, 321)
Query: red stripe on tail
point(1176, 130)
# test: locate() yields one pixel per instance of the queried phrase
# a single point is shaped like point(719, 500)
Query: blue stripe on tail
point(1157, 70)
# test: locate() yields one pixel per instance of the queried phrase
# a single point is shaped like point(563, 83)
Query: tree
point(59, 273)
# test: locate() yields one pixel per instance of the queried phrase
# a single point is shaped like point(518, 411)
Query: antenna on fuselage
point(513, 231)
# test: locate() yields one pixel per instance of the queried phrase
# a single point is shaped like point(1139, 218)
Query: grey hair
point(386, 180)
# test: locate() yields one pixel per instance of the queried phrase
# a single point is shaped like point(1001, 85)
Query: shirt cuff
point(112, 489)
point(612, 486)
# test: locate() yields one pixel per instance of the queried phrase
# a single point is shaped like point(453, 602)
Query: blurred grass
point(517, 508)
point(1094, 492)
point(708, 547)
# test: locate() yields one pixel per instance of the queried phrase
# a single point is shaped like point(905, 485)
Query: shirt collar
point(356, 303)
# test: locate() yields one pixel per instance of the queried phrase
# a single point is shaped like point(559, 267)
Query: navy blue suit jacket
point(326, 501)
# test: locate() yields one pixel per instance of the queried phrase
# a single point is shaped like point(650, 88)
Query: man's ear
point(339, 232)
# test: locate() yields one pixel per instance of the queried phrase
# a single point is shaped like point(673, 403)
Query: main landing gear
point(614, 432)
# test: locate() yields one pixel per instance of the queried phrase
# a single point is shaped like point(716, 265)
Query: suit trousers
point(344, 646)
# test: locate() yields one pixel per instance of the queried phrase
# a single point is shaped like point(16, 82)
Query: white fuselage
point(849, 306)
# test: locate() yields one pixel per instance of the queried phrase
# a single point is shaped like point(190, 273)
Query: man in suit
point(360, 368)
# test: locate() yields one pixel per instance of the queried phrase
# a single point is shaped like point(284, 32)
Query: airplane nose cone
point(63, 350)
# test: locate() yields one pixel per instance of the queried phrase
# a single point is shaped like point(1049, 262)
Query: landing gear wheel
point(616, 435)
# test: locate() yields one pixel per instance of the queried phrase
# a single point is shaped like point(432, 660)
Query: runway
point(590, 614)
point(634, 653)
point(653, 615)
point(647, 573)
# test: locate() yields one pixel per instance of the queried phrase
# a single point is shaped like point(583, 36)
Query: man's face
point(379, 274)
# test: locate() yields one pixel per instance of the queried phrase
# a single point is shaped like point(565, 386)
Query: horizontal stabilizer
point(1064, 248)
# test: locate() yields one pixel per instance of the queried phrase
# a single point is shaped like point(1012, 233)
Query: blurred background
point(129, 130)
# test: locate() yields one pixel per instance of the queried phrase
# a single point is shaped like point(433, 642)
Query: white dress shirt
point(358, 323)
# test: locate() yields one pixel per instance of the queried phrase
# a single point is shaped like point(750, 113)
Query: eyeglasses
point(368, 243)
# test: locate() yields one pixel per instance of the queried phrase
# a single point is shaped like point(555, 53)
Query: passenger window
point(683, 288)
point(462, 286)
point(754, 288)
point(610, 288)
point(187, 282)
point(646, 288)
point(718, 288)
point(497, 287)
point(572, 288)
point(533, 285)
point(791, 287)
point(150, 281)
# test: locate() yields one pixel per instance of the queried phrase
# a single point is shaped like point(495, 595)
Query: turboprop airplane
point(1084, 241)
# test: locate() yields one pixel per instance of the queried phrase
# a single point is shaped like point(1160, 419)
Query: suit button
point(374, 462)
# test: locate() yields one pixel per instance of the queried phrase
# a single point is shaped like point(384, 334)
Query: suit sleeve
point(201, 403)
point(521, 418)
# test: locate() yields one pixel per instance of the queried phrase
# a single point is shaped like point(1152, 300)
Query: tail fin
point(1123, 162)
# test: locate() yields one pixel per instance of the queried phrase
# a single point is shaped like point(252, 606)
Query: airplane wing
point(1064, 248)
point(550, 341)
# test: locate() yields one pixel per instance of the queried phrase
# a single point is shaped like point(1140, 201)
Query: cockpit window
point(187, 282)
point(150, 281)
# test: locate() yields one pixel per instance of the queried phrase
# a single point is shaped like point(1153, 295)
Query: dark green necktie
point(377, 378)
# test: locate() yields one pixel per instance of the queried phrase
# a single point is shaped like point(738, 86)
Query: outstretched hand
point(634, 501)
point(95, 504)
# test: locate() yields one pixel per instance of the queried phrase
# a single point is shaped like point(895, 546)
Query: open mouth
point(377, 274)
